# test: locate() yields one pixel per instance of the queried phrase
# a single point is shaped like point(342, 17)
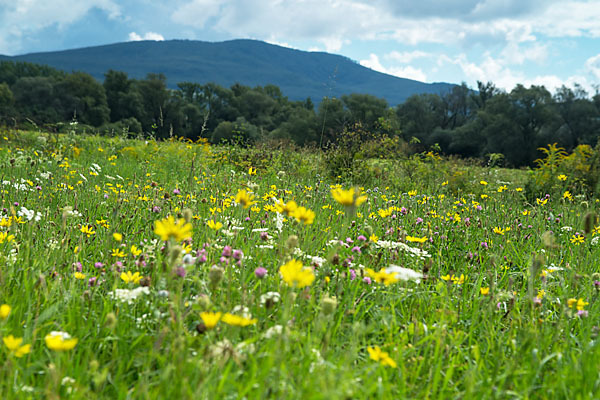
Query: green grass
point(447, 338)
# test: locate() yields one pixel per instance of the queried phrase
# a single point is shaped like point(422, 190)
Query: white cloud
point(407, 72)
point(406, 56)
point(22, 18)
point(592, 65)
point(134, 37)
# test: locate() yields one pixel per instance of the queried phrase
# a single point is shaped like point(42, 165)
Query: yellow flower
point(567, 195)
point(129, 277)
point(244, 198)
point(382, 357)
point(87, 229)
point(210, 319)
point(526, 212)
point(60, 341)
point(541, 202)
point(571, 302)
point(135, 251)
point(458, 280)
point(483, 183)
point(4, 311)
point(214, 225)
point(236, 320)
point(287, 208)
point(412, 193)
point(79, 275)
point(5, 237)
point(294, 274)
point(416, 239)
point(14, 345)
point(117, 236)
point(577, 239)
point(579, 304)
point(304, 215)
point(540, 294)
point(348, 198)
point(562, 177)
point(373, 238)
point(498, 230)
point(382, 276)
point(169, 229)
point(117, 253)
point(484, 291)
point(519, 189)
point(251, 171)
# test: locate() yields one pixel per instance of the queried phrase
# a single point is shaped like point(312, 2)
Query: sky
point(507, 42)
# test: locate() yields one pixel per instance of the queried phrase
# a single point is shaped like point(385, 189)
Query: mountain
point(299, 74)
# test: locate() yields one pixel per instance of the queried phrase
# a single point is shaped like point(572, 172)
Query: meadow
point(137, 269)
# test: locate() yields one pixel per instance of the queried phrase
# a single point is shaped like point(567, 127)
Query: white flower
point(129, 295)
point(404, 274)
point(412, 251)
point(29, 214)
point(275, 330)
point(272, 297)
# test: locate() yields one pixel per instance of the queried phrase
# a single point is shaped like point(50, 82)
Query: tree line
point(465, 122)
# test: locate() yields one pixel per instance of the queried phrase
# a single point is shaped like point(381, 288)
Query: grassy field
point(144, 270)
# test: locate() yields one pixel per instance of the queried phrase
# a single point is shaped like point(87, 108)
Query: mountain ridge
point(299, 74)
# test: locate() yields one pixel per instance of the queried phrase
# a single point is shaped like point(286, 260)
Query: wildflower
point(376, 354)
point(348, 198)
point(484, 291)
point(117, 253)
point(304, 215)
point(4, 311)
point(88, 230)
point(169, 229)
point(579, 304)
point(294, 274)
point(416, 239)
point(382, 276)
point(260, 272)
point(14, 345)
point(567, 195)
point(5, 237)
point(286, 208)
point(498, 230)
point(60, 341)
point(404, 274)
point(236, 320)
point(562, 177)
point(525, 213)
point(129, 277)
point(251, 171)
point(135, 251)
point(79, 275)
point(117, 236)
point(483, 183)
point(210, 319)
point(214, 225)
point(373, 238)
point(244, 198)
point(542, 202)
point(577, 239)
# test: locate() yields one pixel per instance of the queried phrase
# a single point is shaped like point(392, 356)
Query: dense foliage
point(485, 123)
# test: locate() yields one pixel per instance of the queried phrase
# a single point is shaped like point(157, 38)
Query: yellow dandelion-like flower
point(129, 277)
point(348, 198)
point(210, 319)
point(4, 311)
point(236, 320)
point(169, 229)
point(286, 208)
point(214, 225)
point(88, 230)
point(382, 276)
point(414, 239)
point(244, 198)
point(294, 274)
point(304, 215)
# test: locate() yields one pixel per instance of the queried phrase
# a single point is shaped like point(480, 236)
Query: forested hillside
point(459, 121)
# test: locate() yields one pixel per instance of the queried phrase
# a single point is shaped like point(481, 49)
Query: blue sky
point(542, 42)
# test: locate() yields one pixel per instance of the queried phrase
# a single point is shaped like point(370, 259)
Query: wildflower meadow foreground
point(134, 269)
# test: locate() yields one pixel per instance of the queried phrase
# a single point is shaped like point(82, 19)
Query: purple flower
point(264, 236)
point(403, 211)
point(180, 271)
point(98, 265)
point(356, 249)
point(349, 240)
point(582, 313)
point(352, 275)
point(78, 266)
point(176, 191)
point(260, 272)
point(362, 238)
point(226, 251)
point(367, 280)
point(92, 281)
point(484, 245)
point(597, 285)
point(238, 254)
point(419, 220)
point(156, 209)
